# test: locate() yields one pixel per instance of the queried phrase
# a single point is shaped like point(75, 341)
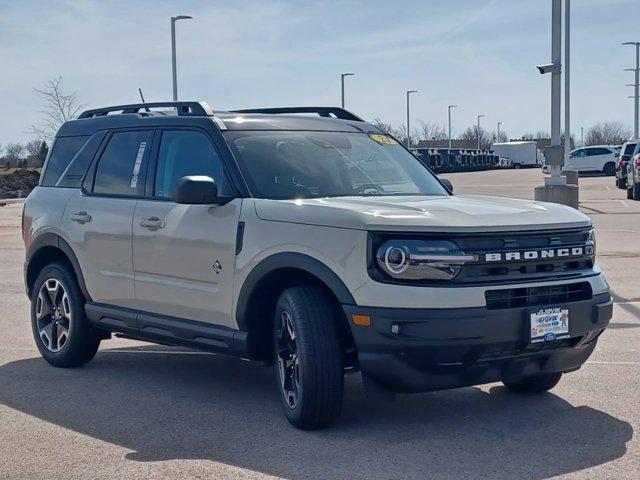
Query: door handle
point(152, 223)
point(80, 217)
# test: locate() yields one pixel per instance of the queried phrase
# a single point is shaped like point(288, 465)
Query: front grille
point(534, 296)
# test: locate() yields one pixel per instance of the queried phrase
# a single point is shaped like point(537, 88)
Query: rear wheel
point(629, 193)
point(635, 191)
point(609, 169)
point(535, 384)
point(308, 361)
point(60, 328)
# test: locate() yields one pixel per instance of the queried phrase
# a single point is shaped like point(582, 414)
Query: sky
point(478, 54)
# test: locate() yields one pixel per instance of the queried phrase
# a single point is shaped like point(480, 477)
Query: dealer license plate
point(549, 324)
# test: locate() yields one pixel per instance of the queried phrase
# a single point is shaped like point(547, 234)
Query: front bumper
point(437, 349)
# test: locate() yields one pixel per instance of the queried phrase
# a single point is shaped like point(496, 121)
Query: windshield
point(296, 164)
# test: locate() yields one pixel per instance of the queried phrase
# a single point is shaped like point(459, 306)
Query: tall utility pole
point(409, 92)
point(173, 53)
point(555, 187)
point(498, 134)
point(636, 87)
point(567, 85)
point(582, 136)
point(450, 107)
point(342, 75)
point(478, 130)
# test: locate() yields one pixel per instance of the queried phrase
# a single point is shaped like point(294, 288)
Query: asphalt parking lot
point(141, 410)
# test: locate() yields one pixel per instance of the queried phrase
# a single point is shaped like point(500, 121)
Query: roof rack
point(337, 112)
point(183, 109)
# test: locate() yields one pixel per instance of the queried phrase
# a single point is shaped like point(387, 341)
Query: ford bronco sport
point(316, 243)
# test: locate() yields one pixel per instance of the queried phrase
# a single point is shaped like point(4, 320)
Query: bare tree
point(499, 138)
point(58, 108)
point(14, 151)
point(384, 126)
point(607, 133)
point(431, 131)
point(471, 133)
point(33, 147)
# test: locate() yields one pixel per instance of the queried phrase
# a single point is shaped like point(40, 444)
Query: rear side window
point(122, 166)
point(63, 151)
point(628, 150)
point(598, 151)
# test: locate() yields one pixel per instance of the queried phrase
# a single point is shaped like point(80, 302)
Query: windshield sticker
point(136, 166)
point(382, 139)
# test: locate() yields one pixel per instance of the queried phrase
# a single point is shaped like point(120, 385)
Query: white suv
point(317, 244)
point(595, 158)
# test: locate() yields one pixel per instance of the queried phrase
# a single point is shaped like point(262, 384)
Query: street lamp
point(636, 86)
point(498, 135)
point(173, 53)
point(450, 107)
point(408, 129)
point(478, 131)
point(342, 75)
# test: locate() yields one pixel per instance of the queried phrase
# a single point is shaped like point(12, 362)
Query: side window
point(599, 151)
point(186, 152)
point(122, 167)
point(579, 153)
point(63, 151)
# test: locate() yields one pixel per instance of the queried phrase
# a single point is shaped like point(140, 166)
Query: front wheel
point(60, 328)
point(535, 384)
point(635, 191)
point(308, 361)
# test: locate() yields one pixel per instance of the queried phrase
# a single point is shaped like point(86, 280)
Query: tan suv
point(306, 238)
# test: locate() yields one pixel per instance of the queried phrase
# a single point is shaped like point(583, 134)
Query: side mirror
point(447, 183)
point(197, 190)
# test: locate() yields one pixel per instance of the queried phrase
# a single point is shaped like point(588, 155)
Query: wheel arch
point(263, 285)
point(46, 248)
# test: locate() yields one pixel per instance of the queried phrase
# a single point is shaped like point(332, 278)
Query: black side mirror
point(447, 183)
point(198, 190)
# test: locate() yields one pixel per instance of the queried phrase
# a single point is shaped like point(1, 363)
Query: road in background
point(141, 410)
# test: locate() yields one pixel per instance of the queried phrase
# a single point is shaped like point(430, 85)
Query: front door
point(184, 255)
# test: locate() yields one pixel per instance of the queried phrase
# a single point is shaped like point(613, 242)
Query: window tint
point(182, 153)
point(122, 166)
point(598, 151)
point(628, 150)
point(63, 151)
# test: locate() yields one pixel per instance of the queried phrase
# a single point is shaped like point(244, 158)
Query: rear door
point(184, 255)
point(598, 157)
point(97, 219)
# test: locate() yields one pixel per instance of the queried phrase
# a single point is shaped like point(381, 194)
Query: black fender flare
point(53, 240)
point(298, 261)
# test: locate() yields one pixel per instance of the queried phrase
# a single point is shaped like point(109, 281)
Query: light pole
point(498, 135)
point(342, 75)
point(582, 136)
point(449, 108)
point(636, 86)
point(409, 92)
point(173, 53)
point(478, 130)
point(567, 85)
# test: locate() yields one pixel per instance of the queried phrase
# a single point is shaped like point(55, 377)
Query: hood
point(411, 213)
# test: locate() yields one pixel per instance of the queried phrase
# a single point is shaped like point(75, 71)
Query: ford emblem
point(549, 336)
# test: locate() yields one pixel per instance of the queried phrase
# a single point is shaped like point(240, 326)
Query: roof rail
point(183, 109)
point(337, 112)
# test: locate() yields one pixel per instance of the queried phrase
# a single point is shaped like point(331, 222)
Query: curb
point(9, 201)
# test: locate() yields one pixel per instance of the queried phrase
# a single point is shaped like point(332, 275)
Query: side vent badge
point(217, 266)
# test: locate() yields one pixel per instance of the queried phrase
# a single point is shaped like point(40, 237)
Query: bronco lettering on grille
point(535, 254)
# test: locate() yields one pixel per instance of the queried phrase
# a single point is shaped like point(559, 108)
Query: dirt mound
point(18, 184)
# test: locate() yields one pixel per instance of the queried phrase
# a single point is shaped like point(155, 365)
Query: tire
point(609, 169)
point(308, 360)
point(622, 183)
point(535, 384)
point(517, 165)
point(58, 304)
point(629, 193)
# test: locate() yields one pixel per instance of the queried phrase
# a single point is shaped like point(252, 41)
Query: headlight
point(590, 247)
point(421, 259)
